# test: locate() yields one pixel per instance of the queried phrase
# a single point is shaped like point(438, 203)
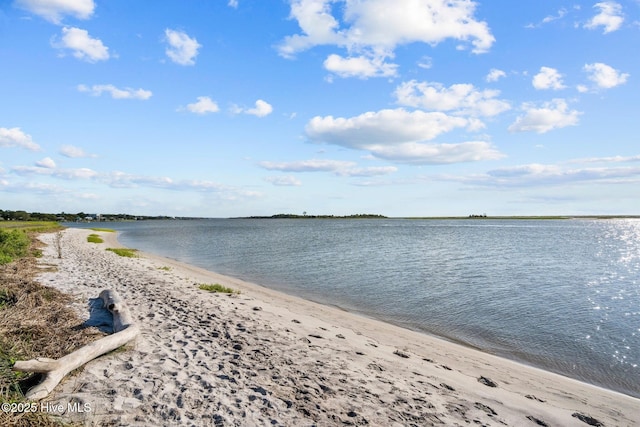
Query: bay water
point(562, 295)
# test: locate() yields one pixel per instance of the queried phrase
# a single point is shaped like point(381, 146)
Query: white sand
point(266, 358)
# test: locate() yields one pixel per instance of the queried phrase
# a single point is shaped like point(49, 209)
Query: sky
point(223, 108)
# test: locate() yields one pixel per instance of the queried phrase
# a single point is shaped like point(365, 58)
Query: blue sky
point(223, 108)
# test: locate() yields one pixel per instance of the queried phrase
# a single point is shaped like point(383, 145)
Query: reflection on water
point(562, 295)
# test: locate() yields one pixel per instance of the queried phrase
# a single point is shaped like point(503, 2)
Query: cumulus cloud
point(548, 78)
point(203, 105)
point(399, 135)
point(74, 152)
point(233, 4)
point(437, 154)
point(605, 76)
point(116, 93)
point(359, 66)
point(15, 137)
point(463, 99)
point(47, 163)
point(284, 181)
point(262, 108)
point(551, 115)
point(495, 75)
point(610, 17)
point(82, 46)
point(370, 31)
point(181, 48)
point(55, 10)
point(385, 126)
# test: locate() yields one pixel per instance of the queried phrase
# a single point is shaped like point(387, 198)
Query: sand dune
point(264, 358)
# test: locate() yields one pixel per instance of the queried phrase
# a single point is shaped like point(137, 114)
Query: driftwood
point(54, 370)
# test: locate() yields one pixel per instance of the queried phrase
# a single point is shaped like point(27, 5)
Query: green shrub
point(125, 252)
point(217, 287)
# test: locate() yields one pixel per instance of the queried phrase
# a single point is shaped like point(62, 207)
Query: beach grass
point(27, 312)
point(164, 268)
point(94, 238)
point(124, 252)
point(106, 230)
point(217, 287)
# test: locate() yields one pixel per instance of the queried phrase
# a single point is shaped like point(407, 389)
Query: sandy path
point(264, 358)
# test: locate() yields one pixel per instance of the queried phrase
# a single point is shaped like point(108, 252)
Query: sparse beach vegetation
point(106, 230)
point(94, 238)
point(216, 287)
point(124, 252)
point(28, 312)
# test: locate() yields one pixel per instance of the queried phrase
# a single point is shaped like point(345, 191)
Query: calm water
point(561, 295)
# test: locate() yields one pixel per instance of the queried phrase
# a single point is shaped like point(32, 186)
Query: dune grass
point(106, 230)
point(35, 321)
point(94, 238)
point(217, 287)
point(124, 252)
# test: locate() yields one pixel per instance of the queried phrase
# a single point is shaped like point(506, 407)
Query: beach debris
point(587, 419)
point(401, 354)
point(54, 370)
point(488, 382)
point(537, 421)
point(485, 408)
point(447, 386)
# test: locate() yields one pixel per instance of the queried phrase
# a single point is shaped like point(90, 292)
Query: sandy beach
point(261, 358)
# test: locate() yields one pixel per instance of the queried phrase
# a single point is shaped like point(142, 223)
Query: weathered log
point(121, 316)
point(55, 370)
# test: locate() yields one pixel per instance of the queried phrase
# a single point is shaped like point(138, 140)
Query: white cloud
point(495, 75)
point(399, 135)
point(74, 152)
point(548, 78)
point(126, 93)
point(83, 47)
point(382, 127)
point(610, 17)
point(368, 171)
point(605, 76)
point(534, 175)
point(359, 66)
point(338, 167)
point(203, 105)
point(67, 174)
point(551, 115)
point(47, 163)
point(261, 109)
point(55, 10)
point(463, 99)
point(15, 137)
point(233, 4)
point(314, 165)
point(181, 49)
point(436, 154)
point(284, 181)
point(371, 30)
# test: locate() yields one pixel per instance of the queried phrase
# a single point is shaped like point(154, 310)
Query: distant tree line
point(8, 215)
point(356, 216)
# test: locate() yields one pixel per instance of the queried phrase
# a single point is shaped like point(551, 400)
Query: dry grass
point(35, 321)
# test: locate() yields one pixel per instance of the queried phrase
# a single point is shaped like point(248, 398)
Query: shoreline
point(267, 358)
